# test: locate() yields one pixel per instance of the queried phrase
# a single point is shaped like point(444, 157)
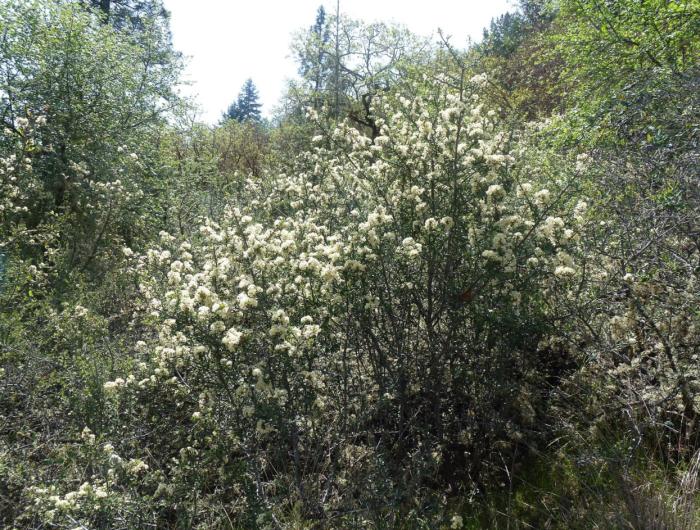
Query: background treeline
point(440, 288)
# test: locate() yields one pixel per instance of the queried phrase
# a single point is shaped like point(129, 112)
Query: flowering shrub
point(370, 322)
point(81, 101)
point(636, 316)
point(16, 183)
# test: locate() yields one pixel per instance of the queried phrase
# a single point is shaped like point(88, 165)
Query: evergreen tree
point(124, 13)
point(314, 61)
point(246, 108)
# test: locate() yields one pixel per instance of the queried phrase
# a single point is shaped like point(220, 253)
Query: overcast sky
point(228, 41)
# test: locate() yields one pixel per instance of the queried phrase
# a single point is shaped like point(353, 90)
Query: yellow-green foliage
point(459, 298)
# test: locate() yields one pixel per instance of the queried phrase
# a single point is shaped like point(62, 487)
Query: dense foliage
point(442, 289)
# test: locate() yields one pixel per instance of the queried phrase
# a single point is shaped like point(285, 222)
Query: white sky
point(228, 41)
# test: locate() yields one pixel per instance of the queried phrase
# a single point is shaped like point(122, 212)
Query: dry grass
point(668, 506)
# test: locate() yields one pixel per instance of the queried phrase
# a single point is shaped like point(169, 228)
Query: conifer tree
point(314, 61)
point(130, 13)
point(246, 108)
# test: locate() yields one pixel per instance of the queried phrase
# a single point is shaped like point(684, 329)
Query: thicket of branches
point(442, 288)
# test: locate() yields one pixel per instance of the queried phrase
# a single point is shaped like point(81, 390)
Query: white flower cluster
point(17, 179)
